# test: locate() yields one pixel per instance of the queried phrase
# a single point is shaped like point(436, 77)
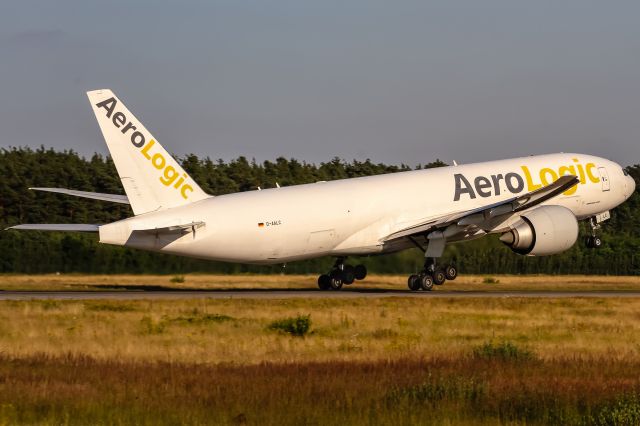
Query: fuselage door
point(604, 178)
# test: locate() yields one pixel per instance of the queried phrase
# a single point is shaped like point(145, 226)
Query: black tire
point(360, 272)
point(348, 274)
point(451, 272)
point(426, 282)
point(414, 282)
point(324, 282)
point(336, 284)
point(588, 242)
point(439, 277)
point(596, 242)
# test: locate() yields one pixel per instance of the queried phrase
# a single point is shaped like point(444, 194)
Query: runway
point(302, 293)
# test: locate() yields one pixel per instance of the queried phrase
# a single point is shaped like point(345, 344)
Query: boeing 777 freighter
point(534, 202)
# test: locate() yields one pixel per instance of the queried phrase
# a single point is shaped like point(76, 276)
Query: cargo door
point(604, 178)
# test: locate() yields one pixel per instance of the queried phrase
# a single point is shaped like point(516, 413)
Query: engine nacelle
point(543, 231)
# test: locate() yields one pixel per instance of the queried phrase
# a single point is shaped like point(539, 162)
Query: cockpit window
point(625, 172)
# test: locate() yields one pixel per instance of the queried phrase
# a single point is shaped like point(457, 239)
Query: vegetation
point(296, 326)
point(504, 351)
point(38, 252)
point(177, 279)
point(367, 361)
point(242, 330)
point(73, 389)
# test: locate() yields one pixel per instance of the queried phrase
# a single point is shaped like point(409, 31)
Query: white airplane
point(534, 202)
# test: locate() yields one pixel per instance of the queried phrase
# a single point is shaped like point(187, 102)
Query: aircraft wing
point(483, 216)
point(64, 227)
point(114, 198)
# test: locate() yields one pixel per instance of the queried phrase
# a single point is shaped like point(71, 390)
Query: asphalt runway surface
point(302, 293)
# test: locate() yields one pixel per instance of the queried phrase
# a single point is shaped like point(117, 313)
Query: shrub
point(490, 280)
point(109, 307)
point(624, 410)
point(197, 319)
point(505, 351)
point(177, 279)
point(149, 326)
point(296, 326)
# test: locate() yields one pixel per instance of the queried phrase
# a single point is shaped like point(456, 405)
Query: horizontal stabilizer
point(63, 227)
point(184, 228)
point(114, 198)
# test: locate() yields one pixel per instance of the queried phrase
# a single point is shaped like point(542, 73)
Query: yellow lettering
point(543, 176)
point(170, 175)
point(184, 189)
point(158, 161)
point(179, 182)
point(146, 149)
point(580, 172)
point(568, 170)
point(530, 185)
point(592, 178)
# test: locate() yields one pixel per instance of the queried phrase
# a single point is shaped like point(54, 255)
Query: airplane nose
point(631, 185)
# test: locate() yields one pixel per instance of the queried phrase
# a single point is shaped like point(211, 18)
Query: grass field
point(361, 361)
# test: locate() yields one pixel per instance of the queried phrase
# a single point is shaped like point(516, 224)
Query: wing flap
point(114, 198)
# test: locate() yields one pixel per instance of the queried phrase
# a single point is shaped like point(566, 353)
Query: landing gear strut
point(341, 274)
point(430, 275)
point(593, 241)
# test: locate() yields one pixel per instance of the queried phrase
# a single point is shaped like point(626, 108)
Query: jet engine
point(543, 231)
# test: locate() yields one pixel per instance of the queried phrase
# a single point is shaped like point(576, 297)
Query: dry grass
point(395, 282)
point(363, 361)
point(237, 330)
point(465, 390)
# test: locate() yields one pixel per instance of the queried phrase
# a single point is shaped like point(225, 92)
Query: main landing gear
point(593, 241)
point(430, 275)
point(340, 274)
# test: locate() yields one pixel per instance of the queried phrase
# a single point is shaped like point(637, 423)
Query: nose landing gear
point(594, 241)
point(341, 274)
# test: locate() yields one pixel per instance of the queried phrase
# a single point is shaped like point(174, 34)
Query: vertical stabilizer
point(152, 179)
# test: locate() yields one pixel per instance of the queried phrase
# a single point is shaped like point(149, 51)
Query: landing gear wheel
point(336, 284)
point(426, 282)
point(324, 282)
point(414, 282)
point(593, 242)
point(450, 272)
point(360, 272)
point(596, 242)
point(336, 279)
point(439, 277)
point(348, 274)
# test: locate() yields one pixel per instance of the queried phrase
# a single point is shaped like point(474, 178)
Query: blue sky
point(398, 82)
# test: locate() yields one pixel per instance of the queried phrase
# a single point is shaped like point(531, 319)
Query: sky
point(396, 82)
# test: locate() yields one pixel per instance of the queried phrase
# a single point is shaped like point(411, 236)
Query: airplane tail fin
point(152, 179)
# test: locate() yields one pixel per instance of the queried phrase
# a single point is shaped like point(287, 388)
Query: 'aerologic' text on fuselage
point(517, 182)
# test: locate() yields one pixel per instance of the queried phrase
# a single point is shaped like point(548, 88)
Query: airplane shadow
point(160, 288)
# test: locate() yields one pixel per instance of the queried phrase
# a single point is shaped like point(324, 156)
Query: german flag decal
point(261, 225)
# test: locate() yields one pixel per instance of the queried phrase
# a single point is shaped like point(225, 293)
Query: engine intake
point(543, 231)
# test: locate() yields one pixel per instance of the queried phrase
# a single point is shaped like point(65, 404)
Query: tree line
point(43, 252)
